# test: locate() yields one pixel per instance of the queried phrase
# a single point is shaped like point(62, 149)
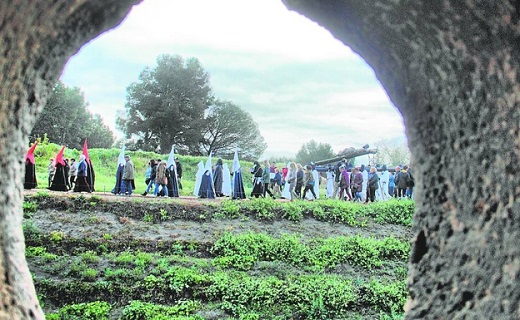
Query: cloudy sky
point(290, 74)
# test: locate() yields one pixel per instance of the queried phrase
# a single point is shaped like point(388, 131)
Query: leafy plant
point(57, 236)
point(97, 310)
point(29, 208)
point(164, 215)
point(139, 310)
point(148, 217)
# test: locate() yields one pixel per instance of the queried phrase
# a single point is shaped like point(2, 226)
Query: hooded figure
point(364, 171)
point(171, 166)
point(82, 181)
point(206, 189)
point(226, 180)
point(218, 178)
point(238, 184)
point(59, 181)
point(30, 169)
point(258, 187)
point(91, 175)
point(119, 171)
point(384, 177)
point(198, 178)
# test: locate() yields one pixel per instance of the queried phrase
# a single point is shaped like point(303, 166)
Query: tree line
point(173, 104)
point(170, 104)
point(66, 120)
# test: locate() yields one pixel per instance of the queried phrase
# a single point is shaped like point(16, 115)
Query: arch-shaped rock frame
point(452, 69)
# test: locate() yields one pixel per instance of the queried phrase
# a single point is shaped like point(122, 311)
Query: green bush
point(385, 297)
point(393, 211)
point(239, 293)
point(230, 209)
point(178, 278)
point(138, 310)
point(242, 251)
point(97, 310)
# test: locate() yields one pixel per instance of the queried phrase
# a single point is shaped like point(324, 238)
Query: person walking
point(344, 184)
point(73, 173)
point(300, 179)
point(178, 166)
point(330, 182)
point(309, 182)
point(151, 178)
point(266, 178)
point(401, 181)
point(391, 184)
point(277, 183)
point(128, 177)
point(257, 180)
point(218, 178)
point(357, 184)
point(291, 180)
point(81, 178)
point(51, 169)
point(337, 178)
point(161, 179)
point(373, 185)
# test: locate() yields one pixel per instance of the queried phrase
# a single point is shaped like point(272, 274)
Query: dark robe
point(206, 186)
point(179, 174)
point(119, 179)
point(91, 175)
point(59, 181)
point(30, 175)
point(218, 180)
point(173, 187)
point(82, 180)
point(258, 186)
point(238, 186)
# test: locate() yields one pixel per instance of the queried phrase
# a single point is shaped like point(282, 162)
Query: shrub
point(263, 209)
point(28, 209)
point(230, 209)
point(138, 310)
point(384, 297)
point(97, 310)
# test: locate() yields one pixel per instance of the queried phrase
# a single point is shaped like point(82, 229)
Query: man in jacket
point(128, 177)
point(402, 181)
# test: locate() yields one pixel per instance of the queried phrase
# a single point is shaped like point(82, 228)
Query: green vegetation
point(273, 272)
point(59, 121)
point(97, 310)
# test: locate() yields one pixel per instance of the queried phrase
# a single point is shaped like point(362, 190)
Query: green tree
point(166, 105)
point(99, 134)
point(313, 151)
point(228, 126)
point(65, 119)
point(392, 152)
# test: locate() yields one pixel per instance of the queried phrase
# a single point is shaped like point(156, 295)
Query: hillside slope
point(215, 259)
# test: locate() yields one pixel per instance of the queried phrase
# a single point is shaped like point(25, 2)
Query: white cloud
point(296, 80)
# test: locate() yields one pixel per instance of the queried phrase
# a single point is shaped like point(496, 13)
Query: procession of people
point(293, 181)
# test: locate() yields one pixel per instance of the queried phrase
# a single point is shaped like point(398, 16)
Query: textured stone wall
point(452, 69)
point(36, 40)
